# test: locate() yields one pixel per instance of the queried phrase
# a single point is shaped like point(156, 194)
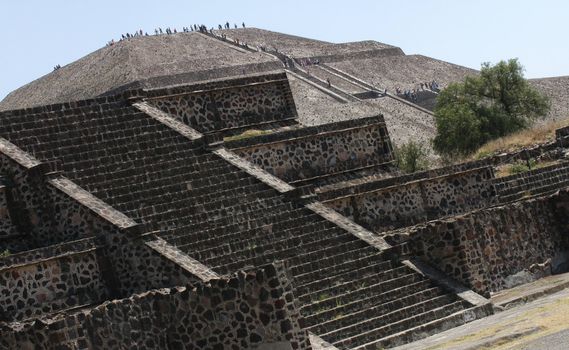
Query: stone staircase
point(322, 84)
point(350, 292)
point(335, 80)
point(534, 182)
point(370, 87)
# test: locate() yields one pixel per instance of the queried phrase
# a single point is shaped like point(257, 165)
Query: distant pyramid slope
point(128, 61)
point(557, 89)
point(406, 72)
point(298, 46)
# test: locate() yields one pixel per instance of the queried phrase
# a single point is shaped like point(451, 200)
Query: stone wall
point(46, 252)
point(250, 310)
point(7, 228)
point(496, 248)
point(230, 106)
point(320, 150)
point(132, 264)
point(418, 201)
point(22, 177)
point(50, 285)
point(52, 210)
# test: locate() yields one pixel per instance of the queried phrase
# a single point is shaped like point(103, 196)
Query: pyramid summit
point(237, 189)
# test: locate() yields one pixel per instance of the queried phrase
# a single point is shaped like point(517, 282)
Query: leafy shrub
point(411, 157)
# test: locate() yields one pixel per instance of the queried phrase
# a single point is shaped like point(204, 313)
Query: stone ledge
point(95, 205)
point(388, 184)
point(47, 252)
point(19, 156)
point(427, 329)
point(461, 291)
point(528, 292)
point(318, 343)
point(181, 259)
point(217, 84)
point(170, 122)
point(254, 170)
point(67, 106)
point(43, 260)
point(348, 225)
point(365, 54)
point(306, 132)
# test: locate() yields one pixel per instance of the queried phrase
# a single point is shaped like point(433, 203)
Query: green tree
point(411, 157)
point(493, 104)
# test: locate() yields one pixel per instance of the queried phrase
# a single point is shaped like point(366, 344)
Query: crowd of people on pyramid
point(411, 94)
point(167, 31)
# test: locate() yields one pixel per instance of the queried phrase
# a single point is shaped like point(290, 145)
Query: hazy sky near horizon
point(36, 35)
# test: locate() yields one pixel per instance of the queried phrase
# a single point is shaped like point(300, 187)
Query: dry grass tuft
point(540, 133)
point(247, 134)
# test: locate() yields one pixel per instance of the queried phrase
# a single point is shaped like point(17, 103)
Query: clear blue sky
point(38, 34)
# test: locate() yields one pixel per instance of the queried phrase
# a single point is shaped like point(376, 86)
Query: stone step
point(212, 239)
point(530, 176)
point(312, 270)
point(248, 186)
point(284, 248)
point(28, 116)
point(305, 277)
point(538, 190)
point(368, 286)
point(348, 281)
point(185, 208)
point(206, 221)
point(370, 306)
point(210, 181)
point(389, 323)
point(29, 125)
point(90, 160)
point(354, 248)
point(513, 189)
point(68, 137)
point(171, 191)
point(413, 319)
point(190, 163)
point(423, 330)
point(131, 148)
point(85, 139)
point(259, 238)
point(189, 232)
point(135, 167)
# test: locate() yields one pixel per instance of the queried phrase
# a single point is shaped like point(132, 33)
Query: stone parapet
point(417, 201)
point(252, 309)
point(311, 152)
point(495, 248)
